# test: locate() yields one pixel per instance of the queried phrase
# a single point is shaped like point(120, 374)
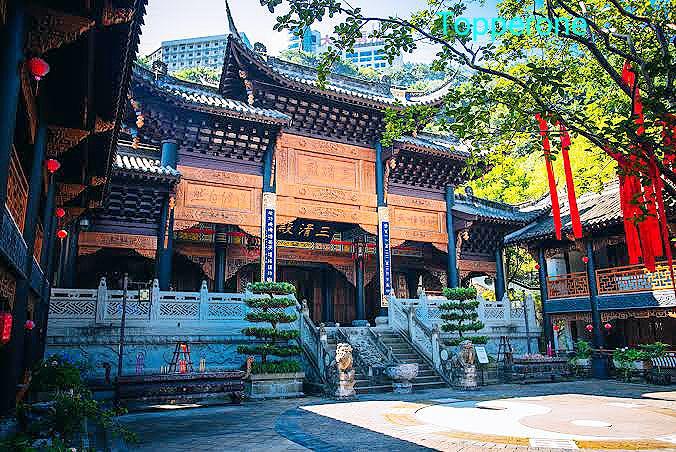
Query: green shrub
point(57, 373)
point(583, 349)
point(460, 316)
point(267, 310)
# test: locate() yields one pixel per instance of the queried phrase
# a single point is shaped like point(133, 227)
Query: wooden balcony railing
point(632, 278)
point(569, 285)
point(611, 281)
point(17, 192)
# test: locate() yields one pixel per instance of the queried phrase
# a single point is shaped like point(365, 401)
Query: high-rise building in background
point(368, 52)
point(309, 42)
point(205, 51)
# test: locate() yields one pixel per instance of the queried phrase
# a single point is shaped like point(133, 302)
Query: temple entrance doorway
point(113, 263)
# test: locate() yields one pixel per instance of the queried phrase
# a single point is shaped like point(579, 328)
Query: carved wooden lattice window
point(17, 191)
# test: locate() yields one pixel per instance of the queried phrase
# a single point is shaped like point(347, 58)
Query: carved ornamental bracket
point(61, 139)
point(52, 29)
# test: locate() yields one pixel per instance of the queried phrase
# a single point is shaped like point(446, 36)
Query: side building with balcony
point(636, 306)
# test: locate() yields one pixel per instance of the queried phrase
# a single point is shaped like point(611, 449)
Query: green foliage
point(460, 314)
point(271, 317)
point(655, 350)
point(270, 333)
point(270, 303)
point(583, 350)
point(269, 349)
point(460, 293)
point(203, 75)
point(276, 367)
point(276, 339)
point(272, 288)
point(643, 353)
point(56, 373)
point(407, 121)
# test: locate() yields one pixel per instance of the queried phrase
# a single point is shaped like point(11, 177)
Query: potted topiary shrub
point(460, 315)
point(277, 374)
point(583, 354)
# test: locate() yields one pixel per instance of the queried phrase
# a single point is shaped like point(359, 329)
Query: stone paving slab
point(377, 422)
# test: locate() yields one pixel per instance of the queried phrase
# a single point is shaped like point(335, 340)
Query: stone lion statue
point(467, 355)
point(344, 357)
point(341, 374)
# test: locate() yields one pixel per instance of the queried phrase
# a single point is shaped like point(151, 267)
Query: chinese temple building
point(66, 67)
point(636, 306)
point(270, 176)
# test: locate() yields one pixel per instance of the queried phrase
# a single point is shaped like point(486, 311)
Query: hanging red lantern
point(537, 266)
point(53, 165)
point(59, 212)
point(38, 68)
point(62, 234)
point(29, 325)
point(585, 259)
point(607, 326)
point(556, 328)
point(589, 328)
point(5, 327)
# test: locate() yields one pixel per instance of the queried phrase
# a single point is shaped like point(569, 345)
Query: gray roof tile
point(492, 210)
point(138, 161)
point(446, 144)
point(206, 98)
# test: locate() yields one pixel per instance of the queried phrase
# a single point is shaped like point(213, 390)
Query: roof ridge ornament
point(232, 29)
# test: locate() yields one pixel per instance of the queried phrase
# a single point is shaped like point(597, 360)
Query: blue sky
point(175, 19)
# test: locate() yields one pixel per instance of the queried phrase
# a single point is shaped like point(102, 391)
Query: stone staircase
point(427, 377)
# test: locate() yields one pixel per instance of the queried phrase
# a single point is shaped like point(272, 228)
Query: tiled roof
point(305, 77)
point(597, 210)
point(205, 98)
point(141, 161)
point(445, 144)
point(493, 211)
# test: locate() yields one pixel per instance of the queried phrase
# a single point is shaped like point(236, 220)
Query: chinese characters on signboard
point(387, 258)
point(269, 257)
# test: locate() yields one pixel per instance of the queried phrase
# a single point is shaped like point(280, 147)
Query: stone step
point(431, 385)
point(373, 389)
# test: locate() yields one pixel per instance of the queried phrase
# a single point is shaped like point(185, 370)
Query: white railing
point(420, 321)
point(81, 307)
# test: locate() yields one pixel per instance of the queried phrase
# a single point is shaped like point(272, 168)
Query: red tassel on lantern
point(52, 165)
point(5, 327)
point(556, 210)
point(570, 186)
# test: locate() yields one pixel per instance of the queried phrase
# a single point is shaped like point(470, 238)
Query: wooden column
point(219, 258)
point(359, 292)
point(384, 249)
point(499, 273)
point(268, 218)
point(13, 36)
point(542, 276)
point(161, 231)
point(328, 281)
point(452, 264)
point(599, 367)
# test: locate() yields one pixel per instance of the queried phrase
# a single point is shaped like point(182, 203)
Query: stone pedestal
point(275, 386)
point(402, 375)
point(381, 321)
point(345, 389)
point(467, 378)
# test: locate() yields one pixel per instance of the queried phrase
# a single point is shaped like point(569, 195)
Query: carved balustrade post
point(321, 346)
point(410, 311)
point(155, 300)
point(101, 301)
point(481, 309)
point(507, 306)
point(436, 353)
point(204, 302)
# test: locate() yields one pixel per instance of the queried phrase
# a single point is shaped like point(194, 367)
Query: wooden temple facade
point(269, 176)
point(593, 277)
point(66, 67)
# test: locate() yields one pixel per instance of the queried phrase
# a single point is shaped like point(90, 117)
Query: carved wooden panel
point(51, 29)
point(218, 197)
point(467, 266)
point(324, 180)
point(7, 285)
point(17, 191)
point(113, 240)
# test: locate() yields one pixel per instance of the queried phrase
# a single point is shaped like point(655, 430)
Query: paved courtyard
point(590, 415)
